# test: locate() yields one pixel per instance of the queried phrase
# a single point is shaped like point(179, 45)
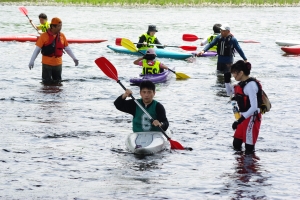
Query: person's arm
point(251, 90)
point(33, 25)
point(138, 61)
point(204, 42)
point(163, 66)
point(33, 57)
point(238, 48)
point(156, 41)
point(161, 116)
point(70, 53)
point(127, 106)
point(141, 40)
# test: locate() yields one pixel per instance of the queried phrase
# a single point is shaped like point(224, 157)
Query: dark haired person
point(209, 39)
point(147, 39)
point(149, 64)
point(51, 44)
point(141, 122)
point(248, 94)
point(44, 24)
point(226, 46)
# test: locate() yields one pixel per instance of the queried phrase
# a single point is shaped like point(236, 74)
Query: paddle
point(187, 48)
point(131, 47)
point(191, 38)
point(110, 71)
point(25, 12)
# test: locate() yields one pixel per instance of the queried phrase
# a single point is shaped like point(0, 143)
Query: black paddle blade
point(107, 68)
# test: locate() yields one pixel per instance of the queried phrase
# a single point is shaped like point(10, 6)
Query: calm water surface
point(67, 142)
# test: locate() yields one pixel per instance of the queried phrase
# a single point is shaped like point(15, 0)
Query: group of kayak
point(289, 46)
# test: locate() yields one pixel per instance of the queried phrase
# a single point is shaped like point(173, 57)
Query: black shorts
point(223, 67)
point(51, 74)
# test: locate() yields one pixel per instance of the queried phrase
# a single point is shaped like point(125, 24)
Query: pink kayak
point(33, 38)
point(291, 49)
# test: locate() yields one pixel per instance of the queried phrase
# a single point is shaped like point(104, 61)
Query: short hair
point(216, 28)
point(43, 16)
point(241, 66)
point(148, 85)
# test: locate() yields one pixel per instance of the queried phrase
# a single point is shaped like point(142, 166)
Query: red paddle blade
point(118, 41)
point(107, 68)
point(190, 37)
point(189, 48)
point(23, 10)
point(176, 145)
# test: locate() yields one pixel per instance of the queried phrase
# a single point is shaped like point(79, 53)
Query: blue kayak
point(161, 53)
point(155, 78)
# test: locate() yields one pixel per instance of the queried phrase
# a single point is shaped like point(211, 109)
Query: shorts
point(248, 130)
point(51, 74)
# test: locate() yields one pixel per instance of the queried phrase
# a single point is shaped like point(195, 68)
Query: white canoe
point(287, 42)
point(146, 143)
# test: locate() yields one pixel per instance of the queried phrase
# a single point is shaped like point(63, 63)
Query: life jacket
point(210, 39)
point(141, 121)
point(224, 46)
point(149, 39)
point(151, 69)
point(242, 99)
point(54, 47)
point(44, 27)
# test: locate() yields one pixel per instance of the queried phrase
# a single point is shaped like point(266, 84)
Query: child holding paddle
point(149, 38)
point(149, 64)
point(209, 39)
point(248, 94)
point(44, 24)
point(141, 122)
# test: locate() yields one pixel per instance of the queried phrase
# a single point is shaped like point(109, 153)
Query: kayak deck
point(155, 78)
point(161, 53)
point(146, 143)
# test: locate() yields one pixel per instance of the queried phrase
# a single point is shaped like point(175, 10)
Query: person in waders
point(52, 45)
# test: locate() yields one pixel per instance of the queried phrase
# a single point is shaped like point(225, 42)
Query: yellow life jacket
point(44, 27)
point(210, 39)
point(148, 69)
point(149, 39)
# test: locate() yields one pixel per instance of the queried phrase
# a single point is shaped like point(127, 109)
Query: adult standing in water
point(248, 94)
point(44, 24)
point(147, 39)
point(141, 122)
point(51, 44)
point(226, 46)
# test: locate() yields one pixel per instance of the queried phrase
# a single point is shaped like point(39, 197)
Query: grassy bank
point(159, 2)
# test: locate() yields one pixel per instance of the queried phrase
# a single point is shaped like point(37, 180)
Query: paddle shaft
point(141, 107)
point(159, 45)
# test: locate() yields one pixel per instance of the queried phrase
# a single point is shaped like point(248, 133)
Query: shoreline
point(126, 5)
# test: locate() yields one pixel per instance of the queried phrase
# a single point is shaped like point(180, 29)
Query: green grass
point(164, 2)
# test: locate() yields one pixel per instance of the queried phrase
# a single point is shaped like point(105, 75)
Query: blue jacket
point(226, 59)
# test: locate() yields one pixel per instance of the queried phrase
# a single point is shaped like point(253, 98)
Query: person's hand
point(227, 77)
point(263, 109)
point(200, 53)
point(126, 94)
point(76, 62)
point(156, 123)
point(236, 123)
point(31, 65)
point(30, 20)
point(201, 44)
point(145, 43)
point(245, 61)
point(165, 45)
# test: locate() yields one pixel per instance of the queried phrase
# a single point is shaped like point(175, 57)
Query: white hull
point(146, 143)
point(287, 42)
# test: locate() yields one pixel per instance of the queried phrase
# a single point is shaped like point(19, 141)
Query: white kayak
point(287, 42)
point(146, 143)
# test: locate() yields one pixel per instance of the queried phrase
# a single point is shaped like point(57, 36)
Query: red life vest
point(54, 47)
point(242, 99)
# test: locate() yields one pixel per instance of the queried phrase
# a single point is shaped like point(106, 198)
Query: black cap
point(152, 28)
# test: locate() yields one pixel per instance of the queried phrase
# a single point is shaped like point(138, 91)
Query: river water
point(67, 142)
